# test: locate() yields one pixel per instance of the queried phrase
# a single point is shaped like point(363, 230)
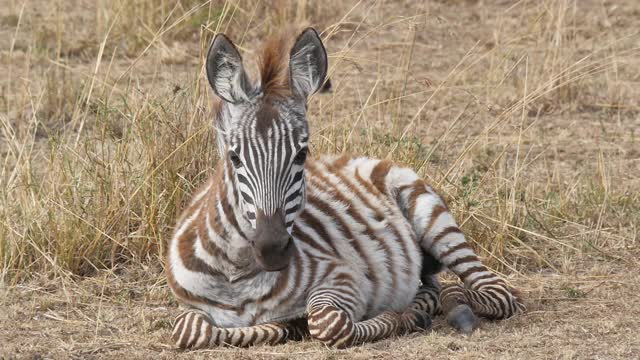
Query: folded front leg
point(195, 330)
point(331, 322)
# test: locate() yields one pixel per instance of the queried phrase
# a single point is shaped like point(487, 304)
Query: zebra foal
point(276, 246)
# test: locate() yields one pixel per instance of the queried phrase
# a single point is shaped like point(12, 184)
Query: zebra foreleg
point(195, 330)
point(427, 299)
point(335, 327)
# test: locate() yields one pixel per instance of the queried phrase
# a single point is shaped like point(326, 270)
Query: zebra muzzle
point(272, 245)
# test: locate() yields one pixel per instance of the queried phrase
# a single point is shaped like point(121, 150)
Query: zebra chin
point(272, 245)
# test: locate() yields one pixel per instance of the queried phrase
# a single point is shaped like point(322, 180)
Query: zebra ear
point(225, 72)
point(307, 64)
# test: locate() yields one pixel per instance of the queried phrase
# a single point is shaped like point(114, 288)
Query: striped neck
point(229, 230)
point(243, 227)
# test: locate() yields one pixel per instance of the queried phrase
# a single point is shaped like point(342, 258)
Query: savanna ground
point(524, 114)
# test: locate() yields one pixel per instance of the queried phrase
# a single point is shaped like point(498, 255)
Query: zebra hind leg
point(462, 303)
point(194, 329)
point(484, 293)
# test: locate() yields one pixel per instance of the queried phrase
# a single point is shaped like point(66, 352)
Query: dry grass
point(524, 114)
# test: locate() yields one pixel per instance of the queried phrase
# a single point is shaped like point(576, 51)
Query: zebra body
point(377, 248)
point(343, 248)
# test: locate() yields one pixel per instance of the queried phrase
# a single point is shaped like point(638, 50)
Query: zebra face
point(267, 157)
point(263, 136)
point(267, 154)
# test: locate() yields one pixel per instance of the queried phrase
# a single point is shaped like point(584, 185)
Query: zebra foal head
point(263, 134)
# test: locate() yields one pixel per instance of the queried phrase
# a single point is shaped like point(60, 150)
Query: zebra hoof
point(462, 319)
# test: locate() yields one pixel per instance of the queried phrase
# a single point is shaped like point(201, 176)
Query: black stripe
point(245, 181)
point(246, 197)
point(292, 210)
point(291, 197)
point(297, 177)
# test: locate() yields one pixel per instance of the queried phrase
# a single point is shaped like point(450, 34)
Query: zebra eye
point(235, 160)
point(301, 156)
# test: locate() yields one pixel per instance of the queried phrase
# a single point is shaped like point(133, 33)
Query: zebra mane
point(273, 64)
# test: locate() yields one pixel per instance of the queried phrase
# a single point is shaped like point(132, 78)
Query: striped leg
point(425, 305)
point(427, 299)
point(195, 330)
point(334, 326)
point(484, 294)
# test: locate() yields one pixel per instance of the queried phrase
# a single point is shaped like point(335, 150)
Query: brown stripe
point(227, 209)
point(328, 271)
point(343, 227)
point(488, 275)
point(186, 251)
point(346, 298)
point(208, 332)
point(313, 267)
point(320, 229)
point(209, 244)
point(404, 205)
point(297, 268)
point(341, 161)
point(344, 292)
point(317, 315)
point(448, 230)
point(331, 316)
point(419, 188)
point(188, 297)
point(240, 339)
point(254, 336)
point(472, 270)
point(216, 341)
point(358, 218)
point(489, 304)
point(216, 222)
point(338, 327)
point(281, 285)
point(186, 332)
point(391, 265)
point(197, 331)
point(379, 175)
point(225, 337)
point(505, 299)
point(435, 214)
point(322, 186)
point(378, 215)
point(344, 277)
point(227, 175)
point(462, 245)
point(463, 260)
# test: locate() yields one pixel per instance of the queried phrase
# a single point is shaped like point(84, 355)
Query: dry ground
point(524, 114)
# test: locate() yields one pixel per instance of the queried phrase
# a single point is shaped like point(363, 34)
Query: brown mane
point(273, 64)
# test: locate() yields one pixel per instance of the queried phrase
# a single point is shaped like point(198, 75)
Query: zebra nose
point(273, 246)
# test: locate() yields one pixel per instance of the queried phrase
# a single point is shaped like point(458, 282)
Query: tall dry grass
point(106, 127)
